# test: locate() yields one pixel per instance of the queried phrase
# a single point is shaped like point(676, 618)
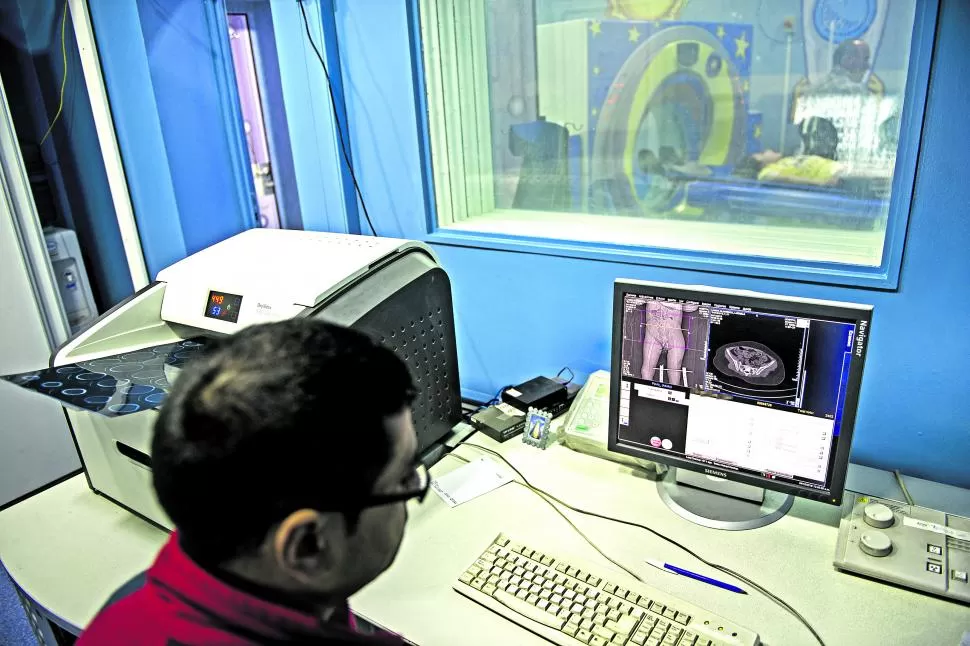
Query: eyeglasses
point(415, 486)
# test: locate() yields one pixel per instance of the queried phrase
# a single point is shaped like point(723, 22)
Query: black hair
point(748, 168)
point(275, 418)
point(820, 137)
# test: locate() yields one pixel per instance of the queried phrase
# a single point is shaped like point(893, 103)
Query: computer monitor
point(739, 392)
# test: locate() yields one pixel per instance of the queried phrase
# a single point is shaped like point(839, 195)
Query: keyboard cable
point(549, 498)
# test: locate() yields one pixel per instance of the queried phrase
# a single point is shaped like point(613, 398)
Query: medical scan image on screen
point(758, 392)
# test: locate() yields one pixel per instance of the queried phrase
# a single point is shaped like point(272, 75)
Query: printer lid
point(274, 273)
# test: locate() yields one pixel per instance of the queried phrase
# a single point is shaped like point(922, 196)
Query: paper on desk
point(470, 481)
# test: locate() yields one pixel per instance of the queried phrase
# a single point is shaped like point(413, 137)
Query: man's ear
point(303, 544)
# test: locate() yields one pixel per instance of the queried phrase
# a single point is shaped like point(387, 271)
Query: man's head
point(285, 454)
point(852, 57)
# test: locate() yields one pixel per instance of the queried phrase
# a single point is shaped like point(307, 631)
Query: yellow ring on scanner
point(717, 148)
point(647, 9)
point(676, 64)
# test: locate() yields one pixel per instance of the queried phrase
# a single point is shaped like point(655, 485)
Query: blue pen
point(667, 567)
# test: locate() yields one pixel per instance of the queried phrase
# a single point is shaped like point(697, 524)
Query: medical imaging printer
point(393, 290)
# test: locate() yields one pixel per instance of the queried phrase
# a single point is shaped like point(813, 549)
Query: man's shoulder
point(132, 620)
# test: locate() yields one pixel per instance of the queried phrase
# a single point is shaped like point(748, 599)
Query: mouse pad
point(120, 384)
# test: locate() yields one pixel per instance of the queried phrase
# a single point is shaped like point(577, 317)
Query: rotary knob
point(879, 515)
point(875, 544)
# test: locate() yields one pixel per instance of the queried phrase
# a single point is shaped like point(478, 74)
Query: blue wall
point(172, 103)
point(914, 411)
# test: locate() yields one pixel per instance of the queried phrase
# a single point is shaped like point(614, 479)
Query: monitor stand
point(719, 503)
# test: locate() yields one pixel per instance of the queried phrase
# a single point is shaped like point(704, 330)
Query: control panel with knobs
point(916, 547)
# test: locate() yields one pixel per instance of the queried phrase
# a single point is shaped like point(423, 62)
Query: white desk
point(69, 549)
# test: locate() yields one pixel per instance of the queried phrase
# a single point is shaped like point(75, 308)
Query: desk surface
point(69, 549)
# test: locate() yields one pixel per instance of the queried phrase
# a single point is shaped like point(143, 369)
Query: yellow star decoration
point(634, 34)
point(596, 70)
point(742, 45)
point(746, 86)
point(595, 112)
point(720, 32)
point(595, 27)
point(757, 132)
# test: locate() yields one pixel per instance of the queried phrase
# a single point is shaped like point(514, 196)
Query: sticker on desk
point(470, 481)
point(936, 528)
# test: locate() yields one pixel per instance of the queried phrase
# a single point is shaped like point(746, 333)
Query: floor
point(14, 628)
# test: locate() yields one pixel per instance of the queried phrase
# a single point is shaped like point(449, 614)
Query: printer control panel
point(915, 547)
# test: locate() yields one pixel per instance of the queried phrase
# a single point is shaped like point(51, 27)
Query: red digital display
point(223, 306)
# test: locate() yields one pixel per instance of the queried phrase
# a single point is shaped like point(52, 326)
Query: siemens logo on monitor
point(712, 472)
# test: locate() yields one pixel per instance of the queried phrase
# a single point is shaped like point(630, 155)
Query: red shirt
point(181, 604)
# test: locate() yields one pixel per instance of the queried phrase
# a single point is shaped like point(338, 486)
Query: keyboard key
point(533, 599)
point(669, 613)
point(535, 589)
point(682, 618)
point(559, 590)
point(600, 619)
point(519, 571)
point(545, 594)
point(609, 587)
point(632, 597)
point(657, 607)
point(639, 639)
point(590, 603)
point(593, 580)
point(613, 603)
point(501, 563)
point(547, 560)
point(624, 625)
point(543, 604)
point(571, 629)
point(584, 635)
point(593, 594)
point(466, 577)
point(652, 641)
point(531, 612)
point(516, 581)
point(488, 557)
point(613, 615)
point(587, 624)
point(598, 641)
point(556, 598)
point(569, 594)
point(548, 585)
point(561, 567)
point(581, 588)
point(588, 614)
point(489, 588)
point(605, 633)
point(576, 608)
point(554, 608)
point(644, 603)
point(528, 576)
point(621, 592)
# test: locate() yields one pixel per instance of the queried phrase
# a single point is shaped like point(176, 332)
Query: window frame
point(882, 277)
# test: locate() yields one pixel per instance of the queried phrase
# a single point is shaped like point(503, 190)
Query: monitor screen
point(750, 387)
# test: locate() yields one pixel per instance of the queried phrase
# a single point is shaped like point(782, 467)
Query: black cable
point(336, 118)
point(541, 493)
point(572, 375)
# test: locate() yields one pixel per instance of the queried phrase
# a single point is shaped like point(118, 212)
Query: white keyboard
point(569, 601)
